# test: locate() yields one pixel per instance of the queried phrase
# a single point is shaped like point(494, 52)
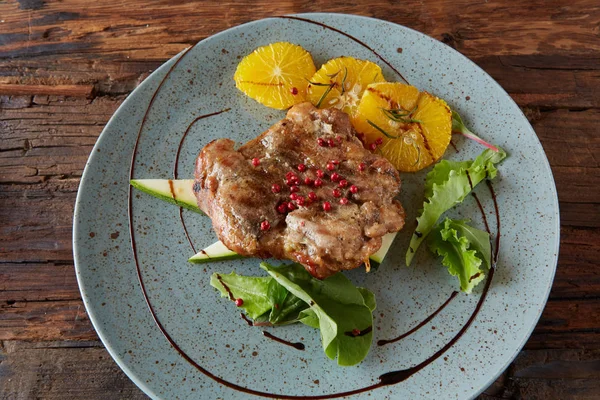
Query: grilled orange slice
point(412, 127)
point(275, 75)
point(340, 83)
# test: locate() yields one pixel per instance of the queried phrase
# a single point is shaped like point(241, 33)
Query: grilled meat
point(305, 190)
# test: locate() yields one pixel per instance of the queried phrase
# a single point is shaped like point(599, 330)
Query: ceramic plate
point(456, 354)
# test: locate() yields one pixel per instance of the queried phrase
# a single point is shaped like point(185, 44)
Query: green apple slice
point(386, 243)
point(215, 252)
point(175, 191)
point(181, 193)
point(219, 252)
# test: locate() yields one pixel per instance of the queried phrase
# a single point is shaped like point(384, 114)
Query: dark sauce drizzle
point(226, 288)
point(385, 379)
point(357, 333)
point(391, 378)
point(485, 221)
point(176, 172)
point(454, 146)
point(181, 215)
point(331, 28)
point(296, 345)
point(493, 193)
point(469, 178)
point(248, 320)
point(420, 325)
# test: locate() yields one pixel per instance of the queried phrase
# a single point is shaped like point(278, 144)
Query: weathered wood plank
point(547, 80)
point(22, 282)
point(545, 54)
point(62, 370)
point(570, 316)
point(51, 90)
point(549, 374)
point(58, 27)
point(549, 61)
point(45, 320)
point(566, 340)
point(37, 225)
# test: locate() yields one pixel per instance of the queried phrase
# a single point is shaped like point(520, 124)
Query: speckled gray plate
point(208, 328)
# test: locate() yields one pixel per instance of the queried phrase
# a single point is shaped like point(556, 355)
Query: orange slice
point(275, 75)
point(340, 83)
point(414, 128)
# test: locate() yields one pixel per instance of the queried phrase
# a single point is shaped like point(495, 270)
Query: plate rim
point(78, 260)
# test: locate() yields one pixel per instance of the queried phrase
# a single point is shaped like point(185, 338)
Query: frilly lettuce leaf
point(447, 185)
point(464, 249)
point(290, 294)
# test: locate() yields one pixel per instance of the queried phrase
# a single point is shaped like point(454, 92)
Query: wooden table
point(66, 66)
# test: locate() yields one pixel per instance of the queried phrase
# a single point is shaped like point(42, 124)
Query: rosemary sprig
point(381, 130)
point(401, 112)
point(317, 83)
point(399, 115)
point(344, 79)
point(325, 93)
point(413, 143)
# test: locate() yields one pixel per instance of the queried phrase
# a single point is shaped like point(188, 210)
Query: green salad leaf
point(263, 298)
point(345, 320)
point(447, 185)
point(342, 311)
point(464, 249)
point(254, 291)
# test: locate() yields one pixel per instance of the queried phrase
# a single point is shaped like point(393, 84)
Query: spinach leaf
point(345, 320)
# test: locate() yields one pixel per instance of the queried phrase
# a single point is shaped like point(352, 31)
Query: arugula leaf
point(447, 185)
point(463, 249)
point(345, 320)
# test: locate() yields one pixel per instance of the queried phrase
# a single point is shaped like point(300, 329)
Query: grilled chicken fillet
point(238, 189)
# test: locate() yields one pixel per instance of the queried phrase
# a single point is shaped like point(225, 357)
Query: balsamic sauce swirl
point(363, 44)
point(420, 325)
point(389, 378)
point(176, 171)
point(296, 345)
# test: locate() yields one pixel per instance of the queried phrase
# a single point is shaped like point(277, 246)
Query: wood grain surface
point(66, 66)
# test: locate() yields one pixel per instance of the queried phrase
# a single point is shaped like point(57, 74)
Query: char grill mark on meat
point(236, 193)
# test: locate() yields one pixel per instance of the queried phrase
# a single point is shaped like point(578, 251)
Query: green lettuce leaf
point(464, 249)
point(447, 185)
point(264, 299)
point(290, 294)
point(309, 317)
point(254, 291)
point(478, 240)
point(344, 318)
